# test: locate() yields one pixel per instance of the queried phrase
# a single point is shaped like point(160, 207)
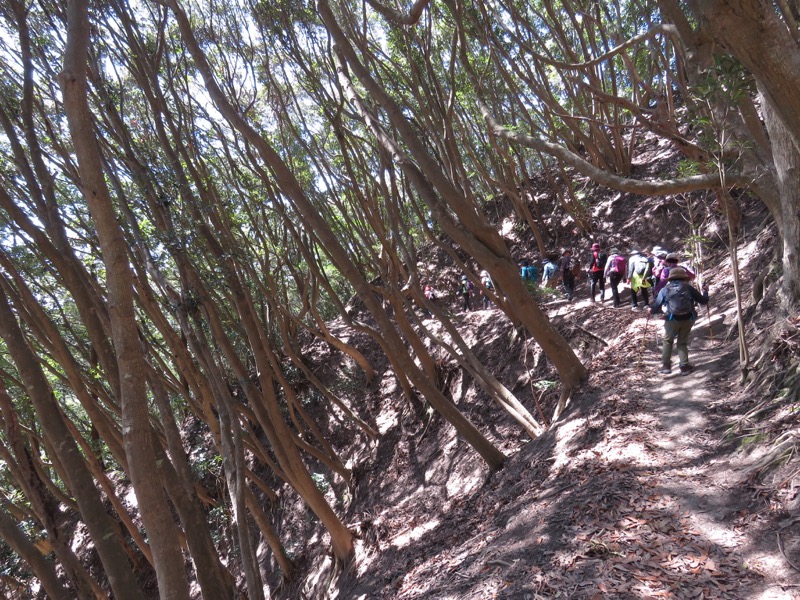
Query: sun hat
point(677, 273)
point(672, 257)
point(595, 246)
point(463, 277)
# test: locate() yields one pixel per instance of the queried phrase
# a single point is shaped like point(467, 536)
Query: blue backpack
point(530, 273)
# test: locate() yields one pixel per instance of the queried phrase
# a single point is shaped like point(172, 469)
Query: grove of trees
point(189, 187)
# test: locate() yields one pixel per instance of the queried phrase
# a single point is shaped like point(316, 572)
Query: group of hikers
point(659, 271)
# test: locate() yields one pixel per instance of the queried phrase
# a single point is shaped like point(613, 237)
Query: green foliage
point(545, 385)
point(321, 482)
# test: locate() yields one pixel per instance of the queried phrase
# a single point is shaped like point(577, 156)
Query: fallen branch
point(499, 563)
point(783, 552)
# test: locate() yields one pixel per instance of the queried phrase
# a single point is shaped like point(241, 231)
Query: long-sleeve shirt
point(672, 287)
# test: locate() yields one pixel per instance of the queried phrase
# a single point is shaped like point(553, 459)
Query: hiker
point(549, 272)
point(565, 267)
point(486, 281)
point(597, 271)
point(658, 254)
point(671, 261)
point(465, 291)
point(529, 272)
point(616, 269)
point(640, 270)
point(679, 297)
point(430, 294)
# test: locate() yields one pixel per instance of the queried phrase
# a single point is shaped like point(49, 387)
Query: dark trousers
point(613, 280)
point(568, 283)
point(645, 297)
point(466, 305)
point(598, 281)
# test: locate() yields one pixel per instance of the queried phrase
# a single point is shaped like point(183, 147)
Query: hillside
point(647, 486)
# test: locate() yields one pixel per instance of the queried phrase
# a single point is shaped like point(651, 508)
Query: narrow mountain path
point(724, 524)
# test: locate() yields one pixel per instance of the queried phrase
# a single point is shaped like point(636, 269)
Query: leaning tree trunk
point(137, 433)
point(470, 231)
point(103, 530)
point(787, 164)
point(291, 187)
point(755, 34)
point(43, 569)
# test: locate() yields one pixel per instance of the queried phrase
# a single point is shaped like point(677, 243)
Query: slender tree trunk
point(104, 531)
point(482, 241)
point(291, 187)
point(137, 434)
point(44, 570)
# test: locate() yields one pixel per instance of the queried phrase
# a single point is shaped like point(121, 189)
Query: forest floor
point(639, 490)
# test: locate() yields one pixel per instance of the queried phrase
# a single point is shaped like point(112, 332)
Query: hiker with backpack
point(597, 268)
point(550, 272)
point(679, 297)
point(640, 271)
point(657, 255)
point(661, 273)
point(529, 272)
point(486, 282)
point(465, 291)
point(565, 266)
point(616, 269)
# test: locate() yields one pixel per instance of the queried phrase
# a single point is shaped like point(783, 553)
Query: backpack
point(466, 288)
point(618, 265)
point(550, 269)
point(599, 260)
point(679, 300)
point(530, 273)
point(642, 273)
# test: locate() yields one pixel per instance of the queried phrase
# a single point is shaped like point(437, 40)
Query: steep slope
point(639, 490)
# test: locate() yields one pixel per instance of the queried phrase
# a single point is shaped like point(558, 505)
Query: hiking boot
point(686, 369)
point(665, 370)
point(634, 307)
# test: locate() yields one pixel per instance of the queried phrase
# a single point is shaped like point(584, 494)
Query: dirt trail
point(708, 483)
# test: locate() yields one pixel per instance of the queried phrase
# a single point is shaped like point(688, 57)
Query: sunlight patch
point(413, 534)
point(465, 484)
point(386, 419)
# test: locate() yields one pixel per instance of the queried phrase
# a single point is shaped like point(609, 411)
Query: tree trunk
point(137, 435)
point(105, 532)
point(291, 187)
point(787, 163)
point(471, 231)
point(43, 569)
point(753, 32)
